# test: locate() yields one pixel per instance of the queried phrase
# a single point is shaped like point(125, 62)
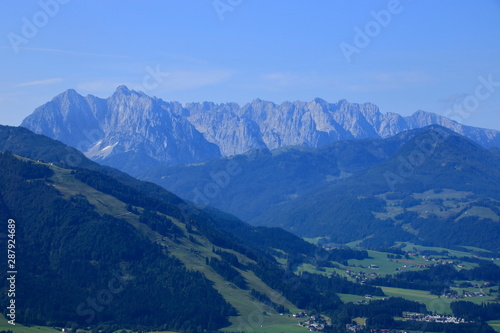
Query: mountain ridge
point(359, 185)
point(206, 265)
point(434, 189)
point(133, 131)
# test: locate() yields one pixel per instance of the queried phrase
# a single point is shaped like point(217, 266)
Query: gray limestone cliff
point(133, 131)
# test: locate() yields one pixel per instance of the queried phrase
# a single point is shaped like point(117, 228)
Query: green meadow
point(18, 328)
point(495, 324)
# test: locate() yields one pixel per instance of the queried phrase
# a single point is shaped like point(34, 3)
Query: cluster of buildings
point(433, 318)
point(361, 277)
point(466, 293)
point(410, 316)
point(354, 327)
point(438, 261)
point(300, 314)
point(314, 323)
point(413, 266)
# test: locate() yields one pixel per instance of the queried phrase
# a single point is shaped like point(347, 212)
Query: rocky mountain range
point(133, 131)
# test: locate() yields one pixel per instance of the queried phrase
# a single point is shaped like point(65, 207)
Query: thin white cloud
point(39, 82)
point(184, 58)
point(453, 99)
point(278, 81)
point(284, 80)
point(401, 77)
point(166, 81)
point(77, 53)
point(187, 80)
point(386, 81)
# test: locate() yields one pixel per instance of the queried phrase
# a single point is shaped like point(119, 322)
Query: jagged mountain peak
point(319, 100)
point(142, 129)
point(69, 96)
point(123, 89)
point(128, 128)
point(123, 92)
point(421, 114)
point(68, 93)
point(342, 101)
point(260, 102)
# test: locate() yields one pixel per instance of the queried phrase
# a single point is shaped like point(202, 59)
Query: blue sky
point(403, 56)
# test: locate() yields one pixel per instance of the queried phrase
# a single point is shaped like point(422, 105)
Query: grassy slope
point(192, 254)
point(387, 266)
point(433, 302)
point(495, 324)
point(443, 204)
point(251, 317)
point(18, 328)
